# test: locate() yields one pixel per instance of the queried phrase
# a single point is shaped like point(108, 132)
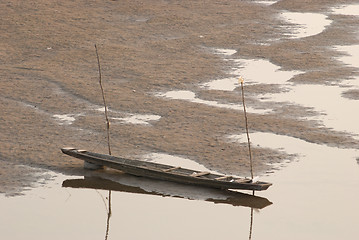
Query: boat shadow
point(139, 185)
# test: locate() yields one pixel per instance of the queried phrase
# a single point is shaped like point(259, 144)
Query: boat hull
point(166, 172)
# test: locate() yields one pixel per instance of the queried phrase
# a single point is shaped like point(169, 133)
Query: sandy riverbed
point(49, 69)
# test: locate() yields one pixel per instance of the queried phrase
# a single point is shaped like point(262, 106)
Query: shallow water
point(306, 24)
point(65, 118)
point(336, 112)
point(313, 197)
point(248, 68)
point(352, 55)
point(143, 119)
point(347, 10)
point(266, 2)
point(191, 97)
point(52, 212)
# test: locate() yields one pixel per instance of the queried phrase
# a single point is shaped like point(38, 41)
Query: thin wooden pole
point(241, 80)
point(109, 213)
point(104, 102)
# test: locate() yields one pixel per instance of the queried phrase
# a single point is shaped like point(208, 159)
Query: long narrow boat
point(167, 172)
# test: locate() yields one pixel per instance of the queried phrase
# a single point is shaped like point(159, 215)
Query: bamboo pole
point(109, 213)
point(104, 102)
point(241, 81)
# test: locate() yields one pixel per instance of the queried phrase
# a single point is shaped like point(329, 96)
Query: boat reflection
point(251, 226)
point(251, 223)
point(131, 184)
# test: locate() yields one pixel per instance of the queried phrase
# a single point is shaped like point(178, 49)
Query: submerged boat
point(167, 172)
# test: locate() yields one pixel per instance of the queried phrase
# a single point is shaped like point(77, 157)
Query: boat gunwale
point(158, 168)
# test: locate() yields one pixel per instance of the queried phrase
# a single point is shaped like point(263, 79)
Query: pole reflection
point(251, 223)
point(109, 213)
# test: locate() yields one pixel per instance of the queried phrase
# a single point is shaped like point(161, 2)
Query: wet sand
point(49, 67)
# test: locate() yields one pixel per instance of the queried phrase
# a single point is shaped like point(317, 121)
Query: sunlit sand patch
point(139, 119)
point(191, 97)
point(347, 10)
point(65, 119)
point(306, 24)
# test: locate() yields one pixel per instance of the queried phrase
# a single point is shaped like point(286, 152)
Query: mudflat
point(50, 96)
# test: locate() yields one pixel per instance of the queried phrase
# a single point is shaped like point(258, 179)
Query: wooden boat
point(167, 172)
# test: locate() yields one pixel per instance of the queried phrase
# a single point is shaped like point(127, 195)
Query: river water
point(314, 197)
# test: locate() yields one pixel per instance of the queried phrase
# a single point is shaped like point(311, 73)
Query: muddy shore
point(49, 67)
